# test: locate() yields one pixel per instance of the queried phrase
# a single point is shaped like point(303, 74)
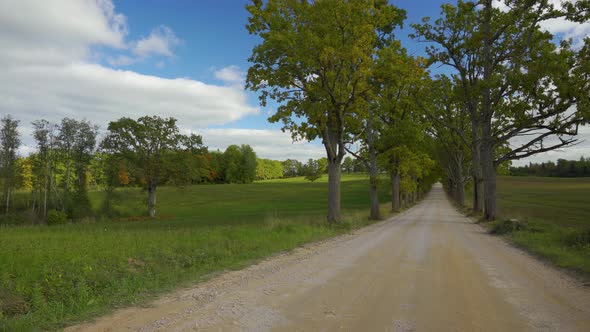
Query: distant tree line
point(53, 182)
point(562, 168)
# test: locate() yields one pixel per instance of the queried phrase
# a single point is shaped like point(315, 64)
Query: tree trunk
point(373, 194)
point(460, 194)
point(334, 173)
point(395, 194)
point(46, 193)
point(68, 176)
point(477, 175)
point(489, 173)
point(152, 201)
point(67, 191)
point(374, 214)
point(487, 147)
point(459, 185)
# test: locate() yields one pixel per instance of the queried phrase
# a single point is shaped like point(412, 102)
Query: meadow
point(52, 276)
point(554, 215)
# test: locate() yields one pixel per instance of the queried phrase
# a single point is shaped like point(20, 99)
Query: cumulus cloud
point(271, 144)
point(55, 32)
point(49, 69)
point(161, 41)
point(230, 75)
point(102, 94)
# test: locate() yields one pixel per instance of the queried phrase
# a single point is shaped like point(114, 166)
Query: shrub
point(508, 226)
point(578, 238)
point(26, 217)
point(11, 304)
point(55, 217)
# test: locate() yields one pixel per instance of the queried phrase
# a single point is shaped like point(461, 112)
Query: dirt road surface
point(427, 269)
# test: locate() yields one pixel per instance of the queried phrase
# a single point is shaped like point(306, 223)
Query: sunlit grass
point(556, 212)
point(51, 276)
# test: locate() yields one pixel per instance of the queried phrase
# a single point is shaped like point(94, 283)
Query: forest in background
point(562, 168)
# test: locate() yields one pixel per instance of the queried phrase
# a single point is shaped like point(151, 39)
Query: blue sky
point(102, 59)
point(214, 36)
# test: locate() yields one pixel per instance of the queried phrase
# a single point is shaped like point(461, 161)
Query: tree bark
point(459, 193)
point(395, 194)
point(477, 171)
point(46, 193)
point(152, 201)
point(373, 194)
point(489, 173)
point(487, 147)
point(334, 173)
point(67, 191)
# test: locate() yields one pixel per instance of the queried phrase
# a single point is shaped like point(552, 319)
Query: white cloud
point(48, 70)
point(230, 75)
point(55, 32)
point(582, 149)
point(121, 60)
point(102, 94)
point(271, 144)
point(558, 26)
point(161, 41)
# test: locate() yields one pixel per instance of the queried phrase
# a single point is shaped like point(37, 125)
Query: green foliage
point(563, 168)
point(292, 168)
point(239, 164)
point(56, 217)
point(267, 169)
point(323, 164)
point(317, 62)
point(312, 170)
point(348, 165)
point(578, 239)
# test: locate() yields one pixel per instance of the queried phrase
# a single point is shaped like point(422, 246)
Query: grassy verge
point(53, 276)
point(550, 218)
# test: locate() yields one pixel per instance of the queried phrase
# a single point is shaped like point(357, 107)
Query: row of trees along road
point(513, 92)
point(339, 75)
point(319, 60)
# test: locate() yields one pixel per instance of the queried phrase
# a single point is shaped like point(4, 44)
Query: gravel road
point(427, 269)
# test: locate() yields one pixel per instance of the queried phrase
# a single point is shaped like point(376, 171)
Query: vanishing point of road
point(426, 269)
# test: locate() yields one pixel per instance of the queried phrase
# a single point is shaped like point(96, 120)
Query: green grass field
point(53, 276)
point(556, 212)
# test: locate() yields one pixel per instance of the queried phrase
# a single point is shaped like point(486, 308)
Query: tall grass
point(554, 218)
